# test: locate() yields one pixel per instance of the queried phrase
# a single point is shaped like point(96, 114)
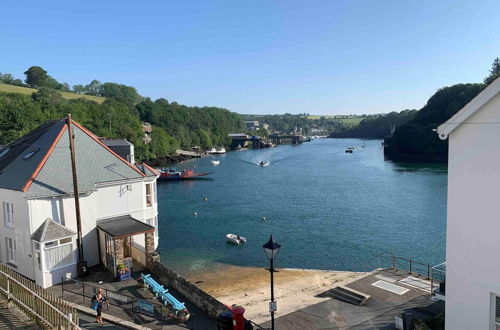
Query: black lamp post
point(271, 248)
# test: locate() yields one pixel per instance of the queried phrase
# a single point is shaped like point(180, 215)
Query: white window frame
point(8, 214)
point(149, 197)
point(58, 245)
point(10, 249)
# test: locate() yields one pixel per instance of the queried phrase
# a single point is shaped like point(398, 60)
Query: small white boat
point(219, 151)
point(211, 151)
point(215, 162)
point(263, 163)
point(235, 239)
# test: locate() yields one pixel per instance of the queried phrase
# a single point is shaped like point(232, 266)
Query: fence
point(46, 309)
point(132, 305)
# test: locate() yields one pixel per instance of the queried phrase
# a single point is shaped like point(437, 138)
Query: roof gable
point(95, 163)
point(47, 172)
point(50, 230)
point(474, 105)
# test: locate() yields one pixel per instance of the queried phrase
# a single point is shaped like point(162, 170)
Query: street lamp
point(271, 248)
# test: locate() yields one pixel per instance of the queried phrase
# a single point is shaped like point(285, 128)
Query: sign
point(116, 296)
point(273, 306)
point(145, 307)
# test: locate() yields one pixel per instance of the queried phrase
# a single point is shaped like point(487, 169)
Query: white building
point(38, 236)
point(473, 270)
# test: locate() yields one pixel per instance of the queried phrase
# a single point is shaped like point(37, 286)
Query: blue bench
point(162, 293)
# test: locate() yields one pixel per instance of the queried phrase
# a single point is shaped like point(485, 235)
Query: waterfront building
point(472, 281)
point(39, 231)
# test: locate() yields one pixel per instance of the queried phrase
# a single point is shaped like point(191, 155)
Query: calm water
point(328, 209)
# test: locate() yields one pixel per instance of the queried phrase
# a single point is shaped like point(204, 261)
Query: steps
point(350, 295)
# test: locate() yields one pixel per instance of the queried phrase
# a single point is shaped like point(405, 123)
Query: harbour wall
point(195, 295)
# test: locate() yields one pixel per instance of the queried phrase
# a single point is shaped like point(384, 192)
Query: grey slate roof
point(123, 226)
point(116, 142)
point(51, 230)
point(94, 163)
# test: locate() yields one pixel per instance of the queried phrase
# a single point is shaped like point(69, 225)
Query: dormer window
point(4, 152)
point(31, 153)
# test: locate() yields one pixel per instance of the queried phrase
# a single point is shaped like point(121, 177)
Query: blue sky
point(321, 57)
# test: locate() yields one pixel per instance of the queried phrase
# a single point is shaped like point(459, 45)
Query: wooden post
point(82, 267)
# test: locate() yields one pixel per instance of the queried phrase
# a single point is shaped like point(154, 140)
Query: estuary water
point(328, 209)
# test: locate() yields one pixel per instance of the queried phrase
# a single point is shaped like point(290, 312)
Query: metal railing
point(134, 306)
point(47, 310)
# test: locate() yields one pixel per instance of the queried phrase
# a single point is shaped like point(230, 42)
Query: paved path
point(377, 313)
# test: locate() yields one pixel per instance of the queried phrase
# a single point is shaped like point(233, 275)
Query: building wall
point(473, 220)
point(21, 232)
point(108, 201)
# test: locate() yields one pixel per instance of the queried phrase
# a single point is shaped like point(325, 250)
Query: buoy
point(205, 199)
point(263, 218)
point(195, 214)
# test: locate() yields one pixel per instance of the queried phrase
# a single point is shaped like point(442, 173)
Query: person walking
point(100, 299)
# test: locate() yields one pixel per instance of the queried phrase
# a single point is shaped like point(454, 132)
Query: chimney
point(122, 147)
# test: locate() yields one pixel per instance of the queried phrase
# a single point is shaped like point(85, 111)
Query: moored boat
point(235, 239)
point(175, 175)
point(215, 162)
point(219, 151)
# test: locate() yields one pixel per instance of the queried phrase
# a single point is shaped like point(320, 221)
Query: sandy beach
point(250, 287)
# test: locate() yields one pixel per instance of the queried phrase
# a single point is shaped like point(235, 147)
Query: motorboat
point(235, 239)
point(215, 162)
point(211, 151)
point(219, 151)
point(263, 163)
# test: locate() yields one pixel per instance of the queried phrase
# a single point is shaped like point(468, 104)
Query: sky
point(320, 57)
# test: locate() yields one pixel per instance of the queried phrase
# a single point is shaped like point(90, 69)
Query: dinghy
point(235, 239)
point(215, 162)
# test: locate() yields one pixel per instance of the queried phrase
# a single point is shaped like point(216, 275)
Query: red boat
point(175, 175)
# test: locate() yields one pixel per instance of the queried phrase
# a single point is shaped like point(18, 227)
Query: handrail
point(12, 296)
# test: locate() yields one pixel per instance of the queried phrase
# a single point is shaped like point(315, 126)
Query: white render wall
point(21, 233)
point(473, 232)
point(107, 201)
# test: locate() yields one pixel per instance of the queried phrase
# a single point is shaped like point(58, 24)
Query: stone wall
point(195, 295)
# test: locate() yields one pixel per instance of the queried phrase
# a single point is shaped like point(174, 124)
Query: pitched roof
point(50, 230)
point(48, 171)
point(492, 90)
point(116, 142)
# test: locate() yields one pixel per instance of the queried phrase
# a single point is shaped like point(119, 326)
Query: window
point(65, 240)
point(151, 222)
point(8, 214)
point(149, 194)
point(57, 256)
point(10, 244)
point(495, 324)
point(31, 153)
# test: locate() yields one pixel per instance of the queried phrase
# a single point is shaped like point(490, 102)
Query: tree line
point(121, 115)
point(416, 140)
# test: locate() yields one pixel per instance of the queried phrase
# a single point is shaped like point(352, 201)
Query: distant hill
point(416, 140)
point(376, 127)
point(66, 95)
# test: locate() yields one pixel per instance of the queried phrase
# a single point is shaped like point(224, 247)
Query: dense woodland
point(377, 127)
point(119, 116)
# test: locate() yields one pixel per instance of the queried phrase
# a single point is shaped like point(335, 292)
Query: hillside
point(416, 140)
point(66, 95)
point(376, 127)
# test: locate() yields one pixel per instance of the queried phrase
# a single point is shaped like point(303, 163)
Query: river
point(328, 209)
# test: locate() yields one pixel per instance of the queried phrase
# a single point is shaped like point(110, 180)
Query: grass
point(28, 91)
point(348, 120)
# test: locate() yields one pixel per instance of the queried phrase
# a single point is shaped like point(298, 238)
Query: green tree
point(79, 89)
point(93, 88)
point(35, 76)
point(494, 71)
point(6, 78)
point(119, 91)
